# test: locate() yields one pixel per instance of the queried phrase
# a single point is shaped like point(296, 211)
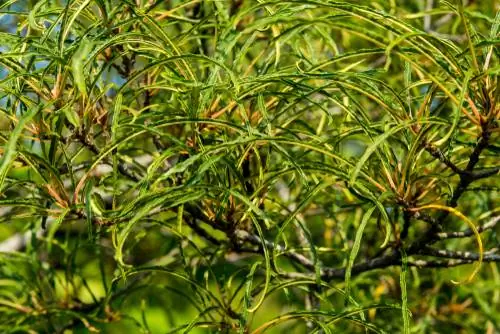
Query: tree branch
point(467, 233)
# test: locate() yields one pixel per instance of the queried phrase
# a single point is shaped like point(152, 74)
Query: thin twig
point(438, 154)
point(467, 233)
point(491, 254)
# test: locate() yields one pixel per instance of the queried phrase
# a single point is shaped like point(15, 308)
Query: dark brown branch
point(244, 236)
point(446, 263)
point(467, 178)
point(450, 263)
point(391, 259)
point(492, 254)
point(426, 218)
point(438, 154)
point(480, 146)
point(474, 175)
point(483, 173)
point(467, 233)
point(388, 261)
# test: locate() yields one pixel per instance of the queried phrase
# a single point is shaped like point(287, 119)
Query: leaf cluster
point(249, 166)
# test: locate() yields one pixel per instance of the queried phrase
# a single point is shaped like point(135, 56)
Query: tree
point(249, 166)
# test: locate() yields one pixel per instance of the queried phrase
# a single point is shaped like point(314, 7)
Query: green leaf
point(78, 64)
point(354, 252)
point(10, 149)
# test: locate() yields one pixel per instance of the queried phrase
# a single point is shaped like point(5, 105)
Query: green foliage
point(249, 166)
